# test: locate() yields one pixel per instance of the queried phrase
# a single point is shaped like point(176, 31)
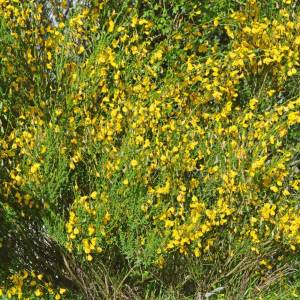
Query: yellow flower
point(293, 118)
point(81, 50)
point(252, 103)
point(93, 195)
point(34, 168)
point(89, 257)
point(134, 163)
point(58, 112)
point(197, 252)
point(274, 189)
point(91, 230)
point(134, 21)
point(40, 276)
point(38, 292)
point(158, 55)
point(271, 93)
point(49, 55)
point(86, 246)
point(267, 211)
point(169, 223)
point(106, 218)
point(111, 26)
point(292, 72)
point(286, 192)
point(43, 149)
point(29, 56)
point(216, 21)
point(61, 25)
point(71, 165)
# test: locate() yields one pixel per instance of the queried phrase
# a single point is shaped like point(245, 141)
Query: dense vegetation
point(149, 149)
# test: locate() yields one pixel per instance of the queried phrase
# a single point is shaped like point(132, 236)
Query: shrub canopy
point(148, 146)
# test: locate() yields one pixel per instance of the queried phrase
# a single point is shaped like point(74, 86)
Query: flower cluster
point(24, 284)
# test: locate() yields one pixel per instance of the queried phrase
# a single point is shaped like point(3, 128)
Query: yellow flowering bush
point(149, 146)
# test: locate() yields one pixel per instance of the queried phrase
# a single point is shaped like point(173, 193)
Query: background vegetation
point(149, 149)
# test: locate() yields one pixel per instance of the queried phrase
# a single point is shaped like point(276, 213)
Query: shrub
point(147, 147)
